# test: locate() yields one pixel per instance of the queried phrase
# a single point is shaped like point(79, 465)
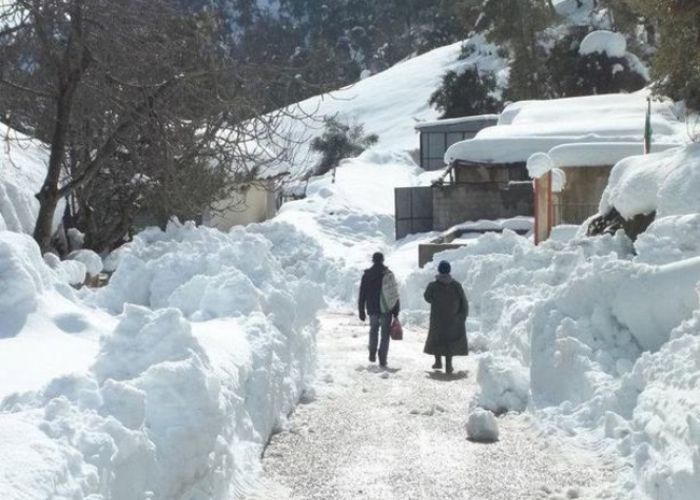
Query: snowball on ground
point(503, 384)
point(482, 426)
point(604, 42)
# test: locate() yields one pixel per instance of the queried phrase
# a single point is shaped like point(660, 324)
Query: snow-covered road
point(400, 434)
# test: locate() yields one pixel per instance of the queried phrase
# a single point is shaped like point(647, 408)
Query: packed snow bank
point(43, 331)
point(164, 407)
point(670, 239)
point(608, 342)
point(504, 384)
point(23, 163)
point(156, 416)
point(72, 272)
point(92, 262)
point(22, 274)
point(659, 429)
point(666, 183)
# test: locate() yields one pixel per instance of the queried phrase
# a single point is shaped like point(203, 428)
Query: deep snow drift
point(161, 407)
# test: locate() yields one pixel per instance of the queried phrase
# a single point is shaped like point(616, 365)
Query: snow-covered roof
point(592, 154)
point(587, 154)
point(466, 122)
point(501, 150)
point(530, 127)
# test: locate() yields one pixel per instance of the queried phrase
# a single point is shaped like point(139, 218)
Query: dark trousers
point(379, 322)
point(448, 361)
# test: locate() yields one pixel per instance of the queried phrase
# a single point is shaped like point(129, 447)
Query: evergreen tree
point(676, 64)
point(518, 24)
point(465, 94)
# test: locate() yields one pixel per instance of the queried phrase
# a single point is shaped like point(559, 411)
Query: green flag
point(647, 129)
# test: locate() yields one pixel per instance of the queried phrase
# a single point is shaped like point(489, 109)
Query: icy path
point(400, 435)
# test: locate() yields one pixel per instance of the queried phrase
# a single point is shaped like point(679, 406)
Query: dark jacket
point(370, 291)
point(448, 313)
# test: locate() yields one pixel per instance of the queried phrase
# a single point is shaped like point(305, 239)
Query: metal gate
point(413, 210)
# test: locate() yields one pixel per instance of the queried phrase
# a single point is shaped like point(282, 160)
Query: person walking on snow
point(379, 298)
point(448, 313)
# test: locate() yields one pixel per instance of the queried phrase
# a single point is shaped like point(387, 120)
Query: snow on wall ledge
point(173, 406)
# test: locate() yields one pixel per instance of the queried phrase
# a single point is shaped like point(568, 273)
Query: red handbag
point(396, 330)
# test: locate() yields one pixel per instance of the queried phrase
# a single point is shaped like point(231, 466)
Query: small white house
point(255, 202)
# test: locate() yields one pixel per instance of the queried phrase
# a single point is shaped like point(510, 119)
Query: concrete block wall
point(457, 203)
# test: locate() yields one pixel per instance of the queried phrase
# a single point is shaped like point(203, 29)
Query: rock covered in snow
point(92, 261)
point(482, 426)
point(76, 238)
point(504, 384)
point(604, 42)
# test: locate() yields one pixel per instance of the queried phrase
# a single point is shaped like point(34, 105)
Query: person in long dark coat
point(448, 313)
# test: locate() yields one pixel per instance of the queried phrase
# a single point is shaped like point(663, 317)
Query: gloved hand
point(363, 317)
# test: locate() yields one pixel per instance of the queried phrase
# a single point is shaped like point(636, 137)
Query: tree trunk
point(48, 196)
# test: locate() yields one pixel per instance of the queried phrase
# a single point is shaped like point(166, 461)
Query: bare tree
point(143, 108)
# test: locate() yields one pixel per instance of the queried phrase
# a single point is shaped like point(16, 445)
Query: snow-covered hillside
point(390, 103)
point(23, 163)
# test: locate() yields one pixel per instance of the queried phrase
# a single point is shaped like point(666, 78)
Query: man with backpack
point(379, 298)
